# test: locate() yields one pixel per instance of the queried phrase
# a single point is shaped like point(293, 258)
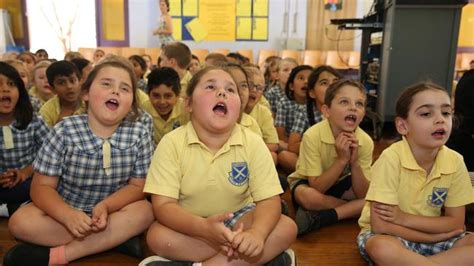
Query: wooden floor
point(334, 245)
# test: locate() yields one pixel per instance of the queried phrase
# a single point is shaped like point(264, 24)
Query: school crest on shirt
point(437, 198)
point(239, 173)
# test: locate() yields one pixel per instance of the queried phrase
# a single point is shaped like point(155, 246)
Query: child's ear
point(173, 62)
point(312, 94)
point(187, 104)
point(325, 110)
point(401, 125)
point(85, 96)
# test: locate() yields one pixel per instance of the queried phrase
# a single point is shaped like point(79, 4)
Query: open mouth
point(439, 133)
point(350, 118)
point(220, 108)
point(112, 104)
point(6, 99)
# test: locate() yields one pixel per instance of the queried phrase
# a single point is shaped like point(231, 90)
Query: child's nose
point(221, 92)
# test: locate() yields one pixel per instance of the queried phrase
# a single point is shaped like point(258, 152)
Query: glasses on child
point(257, 87)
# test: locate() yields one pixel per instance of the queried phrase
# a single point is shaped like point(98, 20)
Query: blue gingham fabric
point(301, 123)
point(273, 96)
point(286, 114)
point(26, 144)
point(74, 154)
point(424, 249)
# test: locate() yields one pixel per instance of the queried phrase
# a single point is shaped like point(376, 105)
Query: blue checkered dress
point(301, 123)
point(26, 143)
point(274, 95)
point(286, 114)
point(36, 103)
point(74, 154)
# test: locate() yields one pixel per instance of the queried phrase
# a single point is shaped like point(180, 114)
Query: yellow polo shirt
point(397, 179)
point(52, 108)
point(250, 123)
point(264, 119)
point(184, 83)
point(177, 118)
point(142, 98)
point(263, 101)
point(204, 184)
point(318, 152)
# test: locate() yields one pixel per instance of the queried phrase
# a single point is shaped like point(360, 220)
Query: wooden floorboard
point(334, 245)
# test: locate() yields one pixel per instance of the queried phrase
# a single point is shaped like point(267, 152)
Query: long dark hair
point(289, 93)
point(312, 80)
point(23, 109)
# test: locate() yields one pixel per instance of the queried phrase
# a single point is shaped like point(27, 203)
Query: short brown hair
point(334, 88)
point(121, 63)
point(180, 52)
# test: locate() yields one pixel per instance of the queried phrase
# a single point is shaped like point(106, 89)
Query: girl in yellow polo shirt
point(217, 180)
point(333, 168)
point(414, 214)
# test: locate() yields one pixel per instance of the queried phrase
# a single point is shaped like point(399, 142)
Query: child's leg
point(130, 221)
point(280, 239)
point(460, 254)
point(311, 199)
point(320, 209)
point(33, 225)
point(287, 160)
point(388, 250)
point(173, 245)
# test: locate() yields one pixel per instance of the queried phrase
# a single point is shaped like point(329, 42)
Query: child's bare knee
point(380, 249)
point(19, 225)
point(288, 228)
point(309, 198)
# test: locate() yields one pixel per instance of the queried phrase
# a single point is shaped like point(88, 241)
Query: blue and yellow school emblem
point(437, 198)
point(239, 174)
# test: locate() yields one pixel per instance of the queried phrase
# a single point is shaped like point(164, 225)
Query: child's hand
point(389, 213)
point(99, 217)
point(13, 177)
point(344, 142)
point(215, 230)
point(249, 243)
point(78, 223)
point(354, 148)
point(228, 249)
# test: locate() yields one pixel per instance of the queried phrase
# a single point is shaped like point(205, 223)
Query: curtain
point(320, 35)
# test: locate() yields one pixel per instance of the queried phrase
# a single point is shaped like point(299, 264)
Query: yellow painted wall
point(15, 9)
point(113, 20)
point(466, 30)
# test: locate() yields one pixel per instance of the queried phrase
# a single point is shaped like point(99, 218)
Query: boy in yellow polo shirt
point(218, 181)
point(414, 214)
point(63, 76)
point(177, 55)
point(333, 170)
point(164, 105)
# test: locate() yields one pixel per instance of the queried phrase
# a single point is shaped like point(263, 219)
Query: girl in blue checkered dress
point(318, 81)
point(276, 92)
point(87, 189)
point(289, 107)
point(20, 139)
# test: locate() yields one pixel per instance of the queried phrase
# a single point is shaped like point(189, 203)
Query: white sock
point(197, 264)
point(4, 210)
